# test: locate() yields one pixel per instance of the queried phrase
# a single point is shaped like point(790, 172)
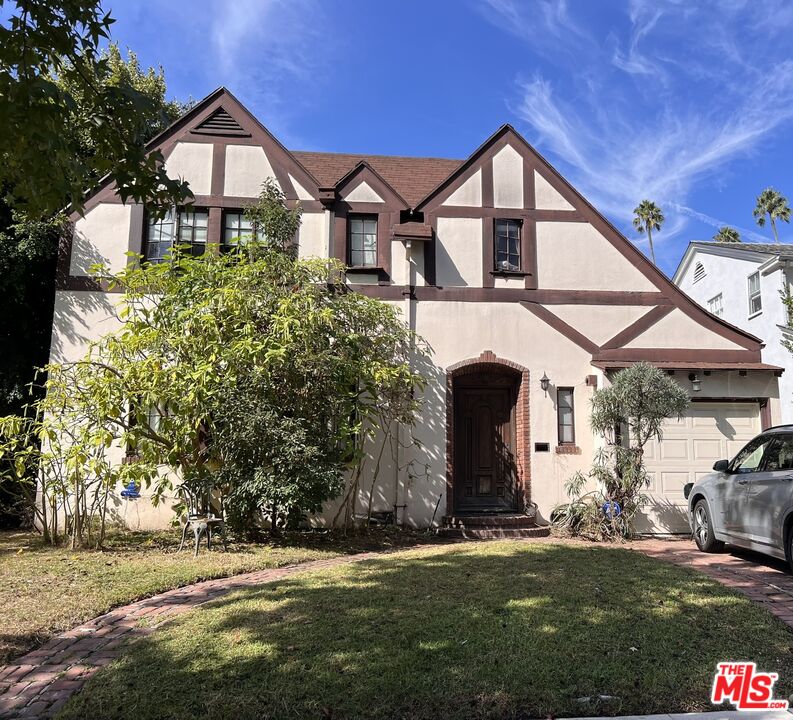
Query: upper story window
point(362, 241)
point(237, 229)
point(565, 414)
point(716, 305)
point(699, 271)
point(755, 300)
point(507, 245)
point(182, 227)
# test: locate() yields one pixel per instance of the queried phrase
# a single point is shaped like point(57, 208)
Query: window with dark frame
point(237, 229)
point(362, 241)
point(565, 414)
point(507, 245)
point(184, 227)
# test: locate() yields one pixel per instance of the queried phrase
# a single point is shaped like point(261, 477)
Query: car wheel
point(703, 529)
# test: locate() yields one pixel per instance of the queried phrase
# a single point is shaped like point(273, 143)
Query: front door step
point(493, 525)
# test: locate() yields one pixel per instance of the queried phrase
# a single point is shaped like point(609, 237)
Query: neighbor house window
point(699, 271)
point(237, 228)
point(362, 241)
point(716, 306)
point(565, 416)
point(183, 227)
point(507, 245)
point(755, 301)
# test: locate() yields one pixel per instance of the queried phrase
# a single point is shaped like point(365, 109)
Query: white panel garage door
point(706, 433)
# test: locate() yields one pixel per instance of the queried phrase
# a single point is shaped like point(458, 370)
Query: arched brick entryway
point(489, 363)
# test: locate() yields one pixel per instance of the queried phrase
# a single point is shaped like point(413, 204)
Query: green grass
point(483, 630)
point(45, 590)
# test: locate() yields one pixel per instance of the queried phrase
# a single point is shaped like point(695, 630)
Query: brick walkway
point(38, 684)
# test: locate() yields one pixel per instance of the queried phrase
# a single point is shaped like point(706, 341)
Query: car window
point(749, 459)
point(780, 454)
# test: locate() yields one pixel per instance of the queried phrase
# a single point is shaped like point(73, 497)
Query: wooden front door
point(484, 443)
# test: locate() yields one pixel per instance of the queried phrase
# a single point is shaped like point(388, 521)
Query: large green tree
point(29, 236)
point(648, 218)
point(773, 205)
point(250, 374)
point(56, 90)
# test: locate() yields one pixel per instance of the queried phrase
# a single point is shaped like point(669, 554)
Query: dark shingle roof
point(412, 177)
point(784, 250)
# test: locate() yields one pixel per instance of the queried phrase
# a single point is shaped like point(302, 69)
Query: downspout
point(401, 430)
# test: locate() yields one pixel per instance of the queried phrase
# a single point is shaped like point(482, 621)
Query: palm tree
point(727, 235)
point(774, 204)
point(648, 218)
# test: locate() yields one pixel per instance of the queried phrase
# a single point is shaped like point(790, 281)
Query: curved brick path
point(38, 684)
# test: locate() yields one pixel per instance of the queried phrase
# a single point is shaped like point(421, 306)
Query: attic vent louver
point(220, 123)
point(699, 271)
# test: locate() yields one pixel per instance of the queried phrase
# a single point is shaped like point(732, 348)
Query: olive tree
point(626, 415)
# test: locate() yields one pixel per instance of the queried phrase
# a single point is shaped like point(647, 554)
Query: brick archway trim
point(488, 361)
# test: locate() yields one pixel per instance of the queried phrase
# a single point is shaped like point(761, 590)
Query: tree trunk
point(650, 240)
point(773, 228)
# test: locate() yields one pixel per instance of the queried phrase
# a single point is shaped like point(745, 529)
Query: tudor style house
point(529, 297)
point(743, 284)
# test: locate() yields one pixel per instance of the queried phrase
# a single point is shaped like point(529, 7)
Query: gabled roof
point(757, 251)
point(411, 177)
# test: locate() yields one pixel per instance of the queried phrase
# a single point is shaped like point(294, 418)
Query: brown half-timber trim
point(508, 135)
point(501, 295)
point(488, 361)
point(561, 326)
point(677, 355)
point(636, 328)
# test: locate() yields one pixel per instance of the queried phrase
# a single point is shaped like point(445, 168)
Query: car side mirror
point(721, 465)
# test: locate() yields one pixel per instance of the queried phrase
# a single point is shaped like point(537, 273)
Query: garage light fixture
point(696, 384)
point(545, 381)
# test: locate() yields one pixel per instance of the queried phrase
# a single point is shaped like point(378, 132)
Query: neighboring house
point(502, 266)
point(741, 283)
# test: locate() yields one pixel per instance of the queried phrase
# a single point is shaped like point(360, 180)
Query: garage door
point(706, 433)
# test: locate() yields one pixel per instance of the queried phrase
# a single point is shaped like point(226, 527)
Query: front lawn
point(44, 590)
point(482, 630)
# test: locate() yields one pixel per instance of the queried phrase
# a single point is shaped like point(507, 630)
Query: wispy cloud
point(663, 105)
point(272, 49)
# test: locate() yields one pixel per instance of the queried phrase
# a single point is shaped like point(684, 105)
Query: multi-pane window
point(238, 229)
point(716, 305)
point(565, 416)
point(362, 247)
point(755, 301)
point(183, 227)
point(507, 245)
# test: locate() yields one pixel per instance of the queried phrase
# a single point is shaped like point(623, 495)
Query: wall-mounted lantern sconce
point(544, 383)
point(696, 384)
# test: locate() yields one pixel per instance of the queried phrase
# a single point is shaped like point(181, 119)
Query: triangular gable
point(367, 185)
point(581, 210)
point(220, 118)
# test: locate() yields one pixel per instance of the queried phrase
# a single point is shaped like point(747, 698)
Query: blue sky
point(689, 104)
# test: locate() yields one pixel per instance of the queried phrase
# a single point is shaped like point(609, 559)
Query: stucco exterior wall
point(459, 252)
point(575, 256)
point(192, 162)
point(103, 235)
point(247, 167)
point(313, 235)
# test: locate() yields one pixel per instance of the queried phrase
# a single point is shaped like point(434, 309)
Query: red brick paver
point(39, 683)
point(764, 579)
